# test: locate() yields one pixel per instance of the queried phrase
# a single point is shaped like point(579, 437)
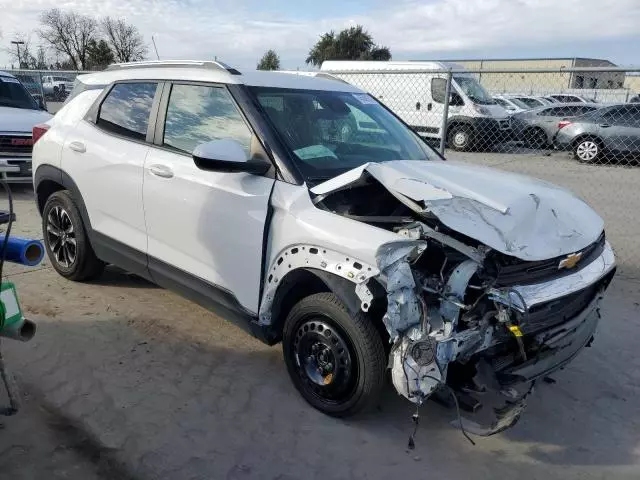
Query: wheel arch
point(48, 179)
point(587, 136)
point(303, 282)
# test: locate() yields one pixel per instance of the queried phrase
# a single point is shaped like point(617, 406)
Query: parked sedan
point(613, 130)
point(537, 127)
point(571, 98)
point(531, 101)
point(511, 105)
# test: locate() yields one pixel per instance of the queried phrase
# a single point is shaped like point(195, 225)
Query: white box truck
point(415, 91)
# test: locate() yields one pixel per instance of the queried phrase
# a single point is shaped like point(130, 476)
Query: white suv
point(306, 211)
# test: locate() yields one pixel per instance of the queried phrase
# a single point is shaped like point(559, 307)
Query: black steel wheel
point(336, 360)
point(66, 241)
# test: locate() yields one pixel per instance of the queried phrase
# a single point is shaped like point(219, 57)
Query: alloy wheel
point(61, 237)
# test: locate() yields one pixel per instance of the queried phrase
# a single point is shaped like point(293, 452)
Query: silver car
point(613, 131)
point(537, 127)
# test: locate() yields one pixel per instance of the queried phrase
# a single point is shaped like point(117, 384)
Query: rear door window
point(126, 109)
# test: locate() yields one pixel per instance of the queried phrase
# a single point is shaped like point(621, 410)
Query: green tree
point(353, 43)
point(269, 61)
point(99, 54)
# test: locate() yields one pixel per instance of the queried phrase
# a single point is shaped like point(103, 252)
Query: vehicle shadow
point(116, 277)
point(187, 395)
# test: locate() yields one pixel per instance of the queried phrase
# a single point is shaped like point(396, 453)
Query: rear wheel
point(335, 360)
point(460, 138)
point(66, 241)
point(587, 150)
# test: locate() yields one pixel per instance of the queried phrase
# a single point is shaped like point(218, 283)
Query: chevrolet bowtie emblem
point(570, 260)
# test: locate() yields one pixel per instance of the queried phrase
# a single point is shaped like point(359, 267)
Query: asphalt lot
point(126, 380)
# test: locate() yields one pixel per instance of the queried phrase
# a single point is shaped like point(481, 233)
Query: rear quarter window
point(126, 109)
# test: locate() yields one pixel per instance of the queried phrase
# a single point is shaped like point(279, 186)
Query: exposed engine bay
point(469, 316)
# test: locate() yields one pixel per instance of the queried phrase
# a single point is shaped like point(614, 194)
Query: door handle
point(78, 147)
point(604, 125)
point(161, 171)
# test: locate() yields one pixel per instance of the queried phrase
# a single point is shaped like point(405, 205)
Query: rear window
point(126, 109)
point(13, 94)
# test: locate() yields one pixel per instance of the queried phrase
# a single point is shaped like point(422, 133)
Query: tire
point(460, 138)
point(335, 360)
point(587, 150)
point(66, 241)
point(536, 138)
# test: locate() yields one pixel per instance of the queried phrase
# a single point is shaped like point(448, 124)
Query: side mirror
point(456, 99)
point(227, 156)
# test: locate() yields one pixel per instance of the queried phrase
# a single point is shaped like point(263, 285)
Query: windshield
point(61, 79)
point(531, 102)
point(519, 103)
point(329, 133)
point(13, 94)
point(473, 90)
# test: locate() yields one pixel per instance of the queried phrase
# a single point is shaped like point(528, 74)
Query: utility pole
point(17, 43)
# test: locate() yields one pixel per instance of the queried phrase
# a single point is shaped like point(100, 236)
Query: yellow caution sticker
point(515, 330)
point(328, 379)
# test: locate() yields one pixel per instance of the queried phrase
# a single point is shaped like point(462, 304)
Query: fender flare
point(62, 178)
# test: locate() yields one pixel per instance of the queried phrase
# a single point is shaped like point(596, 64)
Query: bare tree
point(68, 33)
point(125, 40)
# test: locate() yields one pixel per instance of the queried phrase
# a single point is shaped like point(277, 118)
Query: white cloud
point(239, 34)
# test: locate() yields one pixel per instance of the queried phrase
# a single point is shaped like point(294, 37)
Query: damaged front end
point(475, 318)
point(489, 343)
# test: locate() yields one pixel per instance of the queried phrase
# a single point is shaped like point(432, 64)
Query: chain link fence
point(578, 128)
point(575, 127)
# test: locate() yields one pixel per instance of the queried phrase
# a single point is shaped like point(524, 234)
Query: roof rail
point(208, 64)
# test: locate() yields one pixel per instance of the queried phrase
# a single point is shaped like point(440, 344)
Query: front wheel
point(66, 240)
point(335, 360)
point(536, 138)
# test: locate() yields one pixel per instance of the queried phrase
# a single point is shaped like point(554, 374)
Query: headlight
point(482, 110)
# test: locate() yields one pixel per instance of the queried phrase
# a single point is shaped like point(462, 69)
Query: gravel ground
point(126, 380)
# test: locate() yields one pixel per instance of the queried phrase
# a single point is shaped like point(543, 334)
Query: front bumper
point(503, 392)
point(492, 130)
point(16, 169)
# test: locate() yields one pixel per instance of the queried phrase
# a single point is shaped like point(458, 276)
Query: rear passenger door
point(205, 228)
point(105, 156)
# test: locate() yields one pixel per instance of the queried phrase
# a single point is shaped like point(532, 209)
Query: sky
point(238, 32)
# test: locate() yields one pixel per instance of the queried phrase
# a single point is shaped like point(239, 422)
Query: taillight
point(38, 131)
point(563, 124)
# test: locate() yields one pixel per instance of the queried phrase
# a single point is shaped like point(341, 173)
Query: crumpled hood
point(21, 119)
point(514, 214)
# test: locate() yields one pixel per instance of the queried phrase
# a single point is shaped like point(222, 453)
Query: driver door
point(205, 229)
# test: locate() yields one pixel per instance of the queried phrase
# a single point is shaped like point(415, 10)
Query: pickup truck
point(56, 87)
point(19, 112)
